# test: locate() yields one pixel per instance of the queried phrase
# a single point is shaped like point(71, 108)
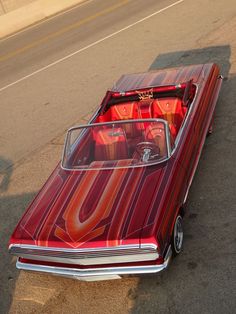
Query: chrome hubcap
point(178, 234)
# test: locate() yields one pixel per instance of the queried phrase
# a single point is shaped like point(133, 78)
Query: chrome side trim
point(105, 255)
point(100, 273)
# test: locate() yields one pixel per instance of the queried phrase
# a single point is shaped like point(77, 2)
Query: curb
point(32, 13)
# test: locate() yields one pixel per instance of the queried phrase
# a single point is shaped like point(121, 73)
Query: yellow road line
point(62, 31)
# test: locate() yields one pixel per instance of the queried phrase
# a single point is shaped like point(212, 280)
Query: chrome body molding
point(100, 273)
point(98, 256)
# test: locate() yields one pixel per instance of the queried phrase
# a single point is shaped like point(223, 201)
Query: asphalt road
point(52, 76)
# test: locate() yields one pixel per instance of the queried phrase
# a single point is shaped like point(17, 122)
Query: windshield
point(130, 143)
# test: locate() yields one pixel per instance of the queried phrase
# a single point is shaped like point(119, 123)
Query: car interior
point(144, 141)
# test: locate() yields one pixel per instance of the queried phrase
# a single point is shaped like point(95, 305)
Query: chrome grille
point(105, 255)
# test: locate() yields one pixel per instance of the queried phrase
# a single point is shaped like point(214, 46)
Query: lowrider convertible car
point(113, 206)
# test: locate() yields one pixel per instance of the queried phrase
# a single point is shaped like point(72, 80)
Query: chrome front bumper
point(95, 274)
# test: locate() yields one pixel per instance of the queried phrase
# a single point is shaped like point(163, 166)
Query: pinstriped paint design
point(122, 208)
point(80, 231)
point(157, 78)
point(40, 209)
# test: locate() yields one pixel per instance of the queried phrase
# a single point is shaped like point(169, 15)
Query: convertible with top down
point(114, 205)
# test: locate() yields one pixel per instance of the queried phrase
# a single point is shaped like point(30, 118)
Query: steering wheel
point(147, 150)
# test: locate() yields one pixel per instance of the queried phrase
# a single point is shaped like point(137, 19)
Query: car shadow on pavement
point(5, 173)
point(201, 278)
point(11, 209)
point(217, 54)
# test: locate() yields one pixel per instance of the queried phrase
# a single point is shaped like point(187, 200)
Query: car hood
point(81, 209)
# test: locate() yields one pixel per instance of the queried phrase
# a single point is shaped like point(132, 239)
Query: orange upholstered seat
point(171, 110)
point(156, 133)
point(110, 144)
point(126, 111)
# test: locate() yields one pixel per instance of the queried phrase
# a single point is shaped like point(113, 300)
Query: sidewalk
point(32, 13)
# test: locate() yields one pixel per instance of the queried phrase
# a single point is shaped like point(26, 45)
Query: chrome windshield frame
point(117, 122)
